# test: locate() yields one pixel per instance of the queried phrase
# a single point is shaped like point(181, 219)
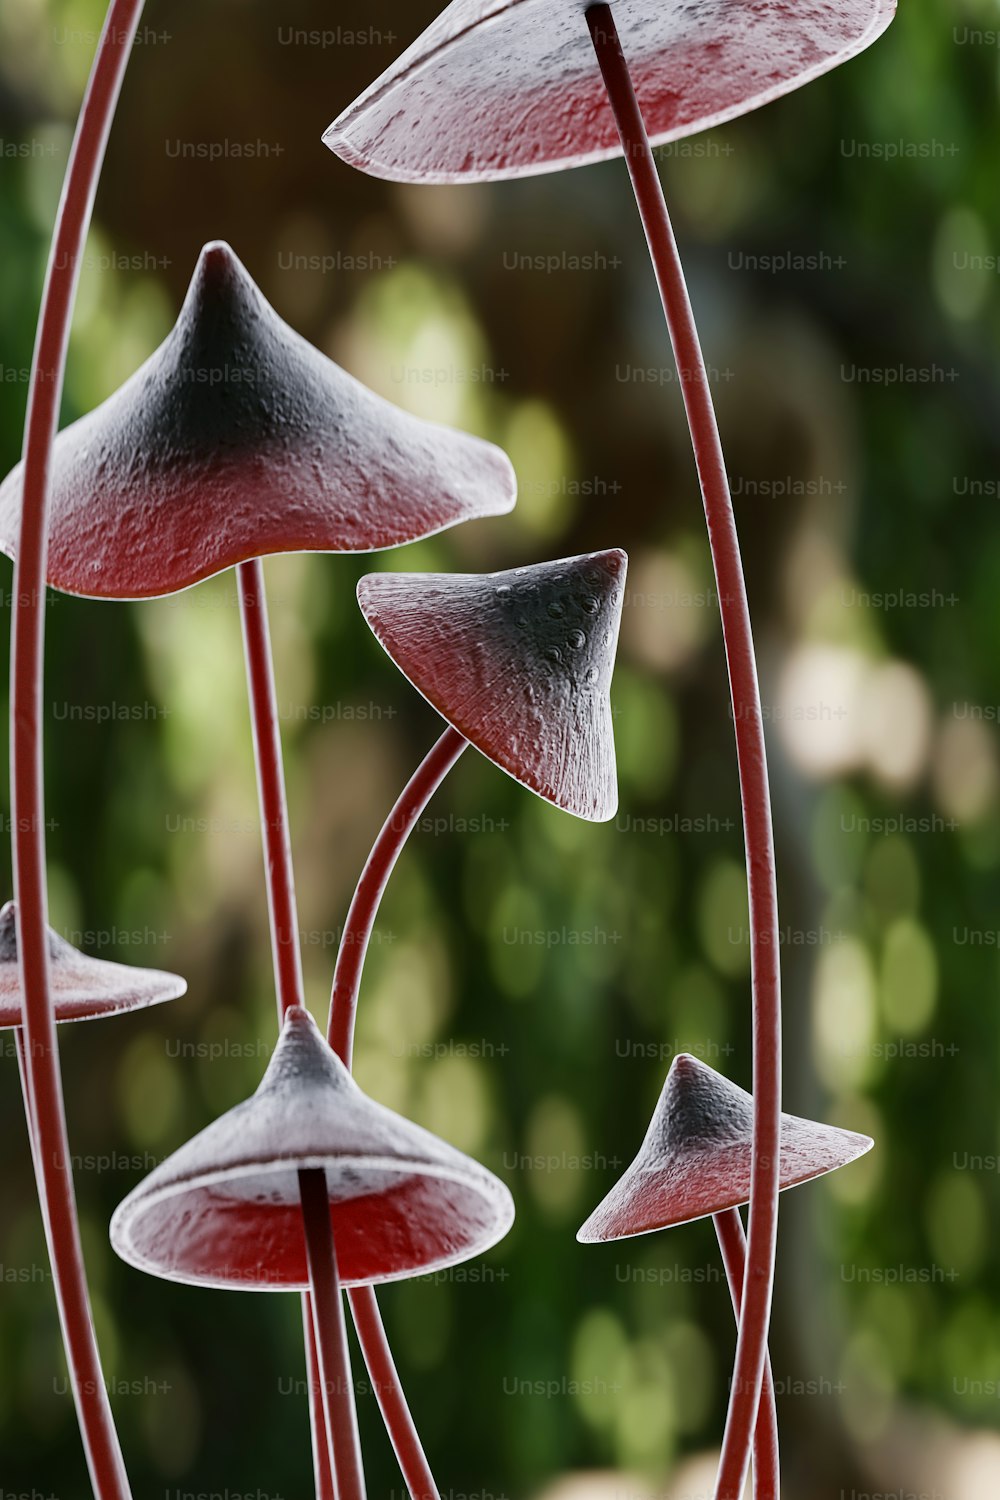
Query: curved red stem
point(766, 1464)
point(392, 1402)
point(46, 1108)
point(379, 866)
point(336, 1381)
point(282, 910)
point(751, 1348)
point(343, 1010)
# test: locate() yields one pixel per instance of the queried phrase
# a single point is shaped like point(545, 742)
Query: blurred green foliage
point(532, 977)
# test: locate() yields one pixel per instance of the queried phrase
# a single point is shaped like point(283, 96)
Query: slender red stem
point(766, 1465)
point(379, 866)
point(55, 1177)
point(271, 786)
point(336, 1381)
point(343, 1010)
point(282, 910)
point(29, 1115)
point(392, 1402)
point(751, 1347)
point(321, 1447)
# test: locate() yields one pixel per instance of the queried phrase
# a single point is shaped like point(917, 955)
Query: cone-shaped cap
point(82, 988)
point(695, 1159)
point(237, 439)
point(507, 88)
point(519, 662)
point(225, 1209)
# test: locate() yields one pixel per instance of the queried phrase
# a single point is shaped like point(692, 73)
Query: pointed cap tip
point(217, 257)
point(302, 1060)
point(685, 1064)
point(300, 1032)
point(218, 276)
point(297, 1018)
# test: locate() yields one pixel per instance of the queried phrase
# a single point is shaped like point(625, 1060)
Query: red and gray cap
point(519, 662)
point(225, 1210)
point(696, 1157)
point(82, 988)
point(237, 439)
point(509, 88)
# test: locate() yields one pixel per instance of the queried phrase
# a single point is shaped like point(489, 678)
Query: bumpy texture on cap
point(519, 662)
point(237, 439)
point(82, 988)
point(225, 1210)
point(507, 88)
point(695, 1159)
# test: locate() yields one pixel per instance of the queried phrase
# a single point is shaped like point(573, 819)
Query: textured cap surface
point(82, 988)
point(506, 88)
point(519, 662)
point(695, 1159)
point(237, 439)
point(225, 1209)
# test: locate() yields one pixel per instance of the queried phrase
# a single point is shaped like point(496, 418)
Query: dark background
point(856, 380)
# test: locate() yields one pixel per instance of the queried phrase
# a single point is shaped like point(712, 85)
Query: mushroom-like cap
point(695, 1159)
point(225, 1209)
point(237, 439)
point(519, 662)
point(509, 88)
point(83, 988)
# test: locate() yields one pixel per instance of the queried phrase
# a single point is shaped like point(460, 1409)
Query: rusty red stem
point(271, 787)
point(41, 1057)
point(322, 1465)
point(379, 866)
point(389, 1393)
point(751, 1348)
point(343, 1011)
point(766, 1463)
point(280, 879)
point(334, 1363)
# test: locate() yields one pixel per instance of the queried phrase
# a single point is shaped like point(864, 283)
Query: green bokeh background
point(867, 507)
